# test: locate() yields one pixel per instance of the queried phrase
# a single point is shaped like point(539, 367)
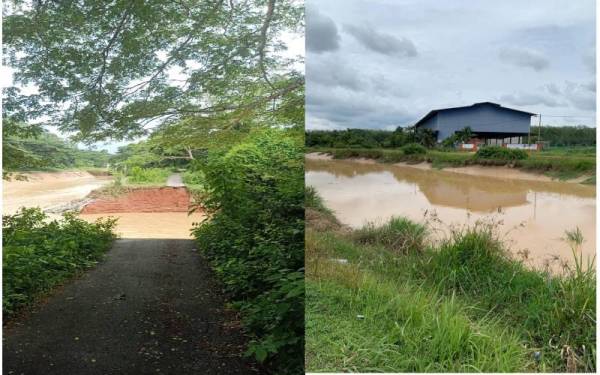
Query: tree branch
point(99, 80)
point(263, 41)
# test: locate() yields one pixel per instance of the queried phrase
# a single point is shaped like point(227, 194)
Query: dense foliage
point(140, 176)
point(38, 254)
point(501, 153)
point(105, 69)
point(254, 239)
point(366, 138)
point(414, 149)
point(565, 135)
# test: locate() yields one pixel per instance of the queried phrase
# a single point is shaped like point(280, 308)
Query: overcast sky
point(385, 63)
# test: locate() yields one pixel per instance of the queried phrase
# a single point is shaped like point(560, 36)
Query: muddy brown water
point(49, 189)
point(531, 215)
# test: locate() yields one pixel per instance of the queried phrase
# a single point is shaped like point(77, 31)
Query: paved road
point(175, 180)
point(151, 307)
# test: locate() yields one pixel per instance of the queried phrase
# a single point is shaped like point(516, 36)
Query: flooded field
point(48, 189)
point(532, 215)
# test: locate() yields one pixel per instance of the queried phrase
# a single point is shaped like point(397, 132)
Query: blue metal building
point(490, 122)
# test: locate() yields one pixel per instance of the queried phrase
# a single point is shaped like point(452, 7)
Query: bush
point(500, 153)
point(138, 175)
point(414, 149)
point(39, 254)
point(255, 241)
point(399, 235)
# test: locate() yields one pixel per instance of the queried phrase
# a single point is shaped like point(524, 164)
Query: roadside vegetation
point(254, 239)
point(39, 254)
point(386, 299)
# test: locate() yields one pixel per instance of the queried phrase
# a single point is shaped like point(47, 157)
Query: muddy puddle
point(47, 189)
point(531, 215)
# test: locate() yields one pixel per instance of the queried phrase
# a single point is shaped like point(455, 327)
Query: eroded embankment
point(164, 199)
point(147, 212)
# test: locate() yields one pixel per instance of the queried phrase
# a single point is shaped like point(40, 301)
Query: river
point(50, 189)
point(531, 214)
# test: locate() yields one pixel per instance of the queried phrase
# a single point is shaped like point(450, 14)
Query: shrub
point(255, 241)
point(138, 175)
point(399, 235)
point(414, 149)
point(500, 153)
point(39, 254)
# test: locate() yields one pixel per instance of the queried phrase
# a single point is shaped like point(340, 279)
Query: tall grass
point(398, 234)
point(541, 321)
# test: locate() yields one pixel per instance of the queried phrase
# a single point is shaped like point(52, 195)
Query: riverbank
point(570, 168)
point(384, 299)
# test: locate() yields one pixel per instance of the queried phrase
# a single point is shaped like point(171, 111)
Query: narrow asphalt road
point(175, 180)
point(152, 307)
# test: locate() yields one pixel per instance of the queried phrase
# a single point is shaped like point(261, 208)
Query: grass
point(555, 163)
point(379, 304)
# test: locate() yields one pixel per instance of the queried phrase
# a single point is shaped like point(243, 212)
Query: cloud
point(364, 82)
point(350, 109)
point(589, 60)
point(525, 57)
point(333, 73)
point(321, 32)
point(580, 95)
point(380, 42)
point(552, 89)
point(528, 99)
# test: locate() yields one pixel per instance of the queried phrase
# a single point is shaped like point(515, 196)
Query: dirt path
point(150, 308)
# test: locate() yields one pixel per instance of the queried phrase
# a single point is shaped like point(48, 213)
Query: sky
point(379, 64)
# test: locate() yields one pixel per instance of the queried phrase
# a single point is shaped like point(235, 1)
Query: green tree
point(113, 64)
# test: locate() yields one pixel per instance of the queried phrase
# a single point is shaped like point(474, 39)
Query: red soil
point(165, 199)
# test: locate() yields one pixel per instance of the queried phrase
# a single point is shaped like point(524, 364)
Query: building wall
point(484, 118)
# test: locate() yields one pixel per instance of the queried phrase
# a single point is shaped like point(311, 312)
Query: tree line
point(26, 148)
point(368, 138)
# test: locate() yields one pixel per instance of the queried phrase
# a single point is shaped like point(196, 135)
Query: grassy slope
point(559, 164)
point(462, 307)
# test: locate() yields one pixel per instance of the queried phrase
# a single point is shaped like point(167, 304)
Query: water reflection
point(534, 214)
